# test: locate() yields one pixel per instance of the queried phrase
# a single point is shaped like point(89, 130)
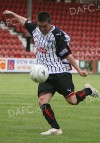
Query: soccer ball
point(39, 73)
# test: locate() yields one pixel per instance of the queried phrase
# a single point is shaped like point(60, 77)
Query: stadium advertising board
point(73, 69)
point(16, 65)
point(20, 65)
point(82, 64)
point(99, 66)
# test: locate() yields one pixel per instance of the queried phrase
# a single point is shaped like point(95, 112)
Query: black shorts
point(60, 82)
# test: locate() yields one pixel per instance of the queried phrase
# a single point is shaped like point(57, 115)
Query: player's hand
point(7, 12)
point(83, 73)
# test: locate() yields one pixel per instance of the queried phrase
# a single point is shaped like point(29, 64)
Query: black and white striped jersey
point(51, 48)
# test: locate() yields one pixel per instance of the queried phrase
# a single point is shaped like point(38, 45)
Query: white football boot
point(52, 131)
point(95, 92)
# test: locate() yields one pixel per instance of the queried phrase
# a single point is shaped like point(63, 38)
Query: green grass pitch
point(21, 120)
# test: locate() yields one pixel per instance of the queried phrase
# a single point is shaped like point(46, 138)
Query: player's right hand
point(82, 73)
point(7, 12)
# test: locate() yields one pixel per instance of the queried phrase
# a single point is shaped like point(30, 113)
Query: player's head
point(43, 21)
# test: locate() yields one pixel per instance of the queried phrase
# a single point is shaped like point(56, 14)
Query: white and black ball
point(39, 73)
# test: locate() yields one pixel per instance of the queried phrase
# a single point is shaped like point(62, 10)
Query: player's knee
point(72, 100)
point(41, 100)
point(44, 98)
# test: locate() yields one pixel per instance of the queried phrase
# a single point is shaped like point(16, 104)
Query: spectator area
point(11, 46)
point(83, 26)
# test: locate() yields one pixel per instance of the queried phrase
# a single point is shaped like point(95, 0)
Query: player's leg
point(65, 87)
point(45, 93)
point(81, 95)
point(44, 98)
point(75, 98)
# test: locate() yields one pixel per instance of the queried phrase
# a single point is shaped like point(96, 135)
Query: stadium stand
point(82, 26)
point(11, 46)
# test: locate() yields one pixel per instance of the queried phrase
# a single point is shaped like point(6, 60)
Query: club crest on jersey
point(42, 50)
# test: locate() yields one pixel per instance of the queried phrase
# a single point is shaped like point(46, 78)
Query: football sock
point(49, 115)
point(81, 95)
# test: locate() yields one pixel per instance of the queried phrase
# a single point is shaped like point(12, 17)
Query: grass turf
point(21, 120)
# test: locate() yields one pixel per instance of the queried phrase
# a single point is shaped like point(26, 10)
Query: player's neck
point(50, 28)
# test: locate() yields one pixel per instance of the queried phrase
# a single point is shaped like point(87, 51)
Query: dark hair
point(43, 17)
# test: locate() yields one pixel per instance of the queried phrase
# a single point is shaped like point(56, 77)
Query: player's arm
point(18, 17)
point(72, 61)
point(63, 51)
point(28, 24)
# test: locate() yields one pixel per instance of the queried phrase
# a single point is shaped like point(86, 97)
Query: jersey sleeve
point(30, 26)
point(63, 49)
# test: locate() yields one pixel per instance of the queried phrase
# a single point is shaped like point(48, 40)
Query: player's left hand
point(83, 73)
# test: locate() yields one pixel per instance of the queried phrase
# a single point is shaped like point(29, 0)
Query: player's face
point(44, 27)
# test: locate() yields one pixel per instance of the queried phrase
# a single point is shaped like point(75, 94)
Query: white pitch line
point(77, 107)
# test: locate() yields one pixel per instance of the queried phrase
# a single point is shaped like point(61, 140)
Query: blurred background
point(80, 19)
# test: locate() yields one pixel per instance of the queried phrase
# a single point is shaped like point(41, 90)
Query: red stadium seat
point(83, 28)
